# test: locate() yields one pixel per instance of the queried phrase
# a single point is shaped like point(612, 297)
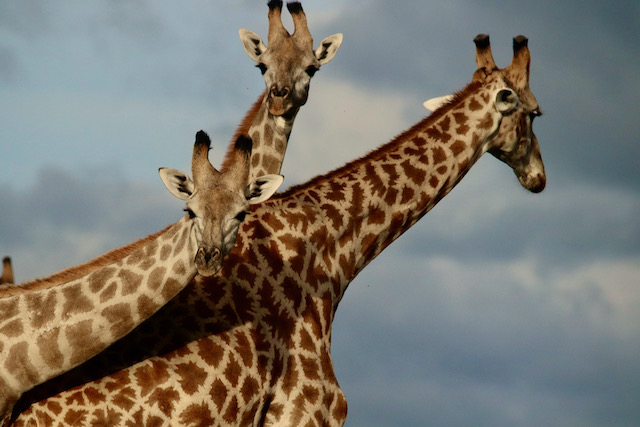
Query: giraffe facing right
point(47, 331)
point(258, 337)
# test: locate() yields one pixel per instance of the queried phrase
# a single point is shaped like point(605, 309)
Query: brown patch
point(434, 181)
point(150, 375)
point(218, 393)
point(165, 252)
point(462, 130)
point(191, 376)
point(445, 123)
point(233, 372)
point(231, 413)
point(249, 389)
point(109, 292)
point(93, 395)
point(179, 268)
point(415, 174)
point(20, 366)
point(76, 417)
point(75, 301)
point(50, 349)
point(82, 340)
point(391, 196)
point(244, 348)
point(105, 417)
point(336, 191)
point(9, 307)
point(165, 398)
point(130, 281)
point(474, 105)
point(442, 169)
point(457, 147)
point(171, 288)
point(196, 415)
point(147, 263)
point(311, 394)
point(439, 155)
point(12, 329)
point(156, 278)
point(210, 352)
point(99, 278)
point(271, 163)
point(124, 398)
point(179, 242)
point(339, 412)
point(376, 216)
point(486, 123)
point(120, 317)
point(146, 306)
point(334, 215)
point(310, 368)
point(306, 342)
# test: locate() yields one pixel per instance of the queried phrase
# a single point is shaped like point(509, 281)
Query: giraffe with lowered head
point(47, 331)
point(260, 333)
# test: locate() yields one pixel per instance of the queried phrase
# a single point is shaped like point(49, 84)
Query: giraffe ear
point(434, 103)
point(252, 43)
point(328, 48)
point(178, 183)
point(506, 101)
point(263, 187)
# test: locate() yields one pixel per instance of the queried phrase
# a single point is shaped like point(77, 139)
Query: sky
point(499, 308)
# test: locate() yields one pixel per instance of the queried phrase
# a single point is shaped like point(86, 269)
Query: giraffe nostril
point(279, 93)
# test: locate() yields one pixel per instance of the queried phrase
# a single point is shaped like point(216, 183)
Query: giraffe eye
point(262, 67)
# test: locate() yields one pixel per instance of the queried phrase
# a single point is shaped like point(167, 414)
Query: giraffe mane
point(242, 129)
point(427, 121)
point(74, 272)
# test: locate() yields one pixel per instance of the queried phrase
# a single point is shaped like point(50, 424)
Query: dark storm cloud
point(585, 59)
point(65, 219)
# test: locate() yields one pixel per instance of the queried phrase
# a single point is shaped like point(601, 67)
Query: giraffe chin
point(208, 263)
point(277, 106)
point(535, 184)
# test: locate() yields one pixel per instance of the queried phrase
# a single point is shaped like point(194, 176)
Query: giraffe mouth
point(278, 106)
point(208, 262)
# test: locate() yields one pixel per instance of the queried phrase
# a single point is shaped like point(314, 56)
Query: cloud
point(68, 218)
point(440, 341)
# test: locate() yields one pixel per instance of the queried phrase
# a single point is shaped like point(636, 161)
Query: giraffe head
point(515, 143)
point(217, 201)
point(289, 62)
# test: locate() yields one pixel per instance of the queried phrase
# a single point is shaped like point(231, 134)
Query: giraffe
point(258, 340)
point(288, 63)
point(7, 272)
point(291, 57)
point(44, 332)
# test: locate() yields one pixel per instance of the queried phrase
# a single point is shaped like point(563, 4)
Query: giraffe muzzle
point(208, 262)
point(279, 100)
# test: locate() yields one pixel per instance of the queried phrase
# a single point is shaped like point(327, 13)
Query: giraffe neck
point(369, 203)
point(49, 331)
point(270, 136)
